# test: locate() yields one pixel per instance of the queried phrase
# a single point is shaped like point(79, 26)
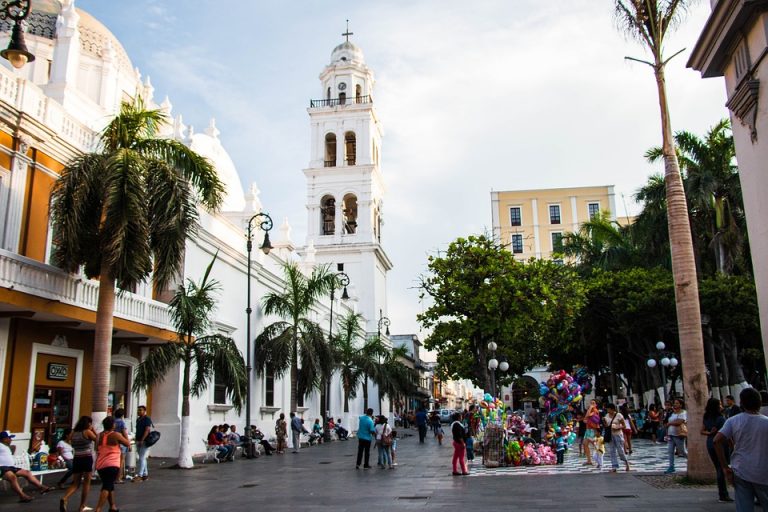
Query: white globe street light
point(665, 361)
point(492, 346)
point(504, 366)
point(673, 362)
point(660, 345)
point(493, 364)
point(651, 363)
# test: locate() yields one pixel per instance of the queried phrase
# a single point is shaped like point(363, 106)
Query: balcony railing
point(335, 102)
point(30, 276)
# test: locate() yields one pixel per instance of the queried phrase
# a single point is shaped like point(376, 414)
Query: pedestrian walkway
point(324, 477)
point(646, 458)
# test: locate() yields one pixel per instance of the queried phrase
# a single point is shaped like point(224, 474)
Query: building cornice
point(723, 29)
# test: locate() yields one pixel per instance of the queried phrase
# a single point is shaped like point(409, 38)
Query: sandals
point(26, 499)
point(45, 489)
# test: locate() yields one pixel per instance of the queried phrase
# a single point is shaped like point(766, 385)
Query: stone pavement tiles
point(324, 478)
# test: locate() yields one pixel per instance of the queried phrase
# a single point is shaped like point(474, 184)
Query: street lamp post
point(493, 363)
point(667, 359)
point(383, 321)
point(16, 53)
point(265, 224)
point(343, 280)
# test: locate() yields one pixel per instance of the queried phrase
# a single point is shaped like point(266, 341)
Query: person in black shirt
point(459, 448)
point(731, 409)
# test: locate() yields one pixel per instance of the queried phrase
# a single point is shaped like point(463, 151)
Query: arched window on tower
point(349, 209)
point(330, 150)
point(350, 148)
point(358, 93)
point(342, 98)
point(328, 215)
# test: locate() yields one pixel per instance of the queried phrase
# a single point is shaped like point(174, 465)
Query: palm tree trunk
point(346, 395)
point(295, 375)
point(185, 454)
point(365, 393)
point(686, 289)
point(102, 345)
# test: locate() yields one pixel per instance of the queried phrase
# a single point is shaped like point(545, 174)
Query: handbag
point(152, 438)
point(682, 430)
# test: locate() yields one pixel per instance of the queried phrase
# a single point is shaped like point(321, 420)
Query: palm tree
point(370, 357)
point(124, 213)
point(346, 354)
point(208, 355)
point(280, 346)
point(602, 243)
point(395, 378)
point(650, 227)
point(648, 22)
point(714, 190)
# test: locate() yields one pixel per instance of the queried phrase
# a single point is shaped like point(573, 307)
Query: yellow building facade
point(531, 223)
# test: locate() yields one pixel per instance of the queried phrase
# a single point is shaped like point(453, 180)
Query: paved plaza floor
point(324, 478)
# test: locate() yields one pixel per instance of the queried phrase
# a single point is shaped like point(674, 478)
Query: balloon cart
point(493, 446)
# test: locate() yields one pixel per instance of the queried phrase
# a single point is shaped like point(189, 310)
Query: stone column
point(19, 171)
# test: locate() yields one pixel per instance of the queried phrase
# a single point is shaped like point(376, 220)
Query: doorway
point(51, 413)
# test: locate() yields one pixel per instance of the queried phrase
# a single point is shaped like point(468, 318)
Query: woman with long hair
point(712, 423)
point(654, 418)
point(108, 462)
point(83, 437)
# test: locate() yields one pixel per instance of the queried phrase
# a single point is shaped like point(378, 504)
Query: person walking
point(731, 409)
point(421, 424)
point(108, 457)
point(614, 423)
point(281, 432)
point(677, 431)
point(630, 427)
point(143, 428)
point(122, 429)
point(712, 422)
point(83, 437)
point(459, 460)
point(748, 432)
point(384, 442)
point(297, 428)
point(653, 422)
point(365, 433)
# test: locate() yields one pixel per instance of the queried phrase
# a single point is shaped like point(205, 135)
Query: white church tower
point(345, 187)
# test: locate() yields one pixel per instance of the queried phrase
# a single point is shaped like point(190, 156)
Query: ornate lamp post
point(265, 224)
point(383, 321)
point(343, 280)
point(16, 53)
point(493, 363)
point(667, 359)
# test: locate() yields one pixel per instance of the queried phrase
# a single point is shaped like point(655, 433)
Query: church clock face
point(342, 86)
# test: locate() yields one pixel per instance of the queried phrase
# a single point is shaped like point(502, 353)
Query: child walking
point(393, 448)
point(599, 451)
point(560, 447)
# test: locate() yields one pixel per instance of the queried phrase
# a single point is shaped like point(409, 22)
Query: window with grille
point(514, 216)
point(741, 60)
point(517, 244)
point(593, 210)
point(554, 214)
point(269, 387)
point(219, 390)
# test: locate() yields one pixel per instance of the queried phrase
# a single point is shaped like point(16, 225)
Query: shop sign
point(57, 371)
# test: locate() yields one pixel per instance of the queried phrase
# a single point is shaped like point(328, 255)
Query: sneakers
point(669, 471)
point(726, 499)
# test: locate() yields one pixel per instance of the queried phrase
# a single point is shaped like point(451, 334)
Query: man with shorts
point(10, 473)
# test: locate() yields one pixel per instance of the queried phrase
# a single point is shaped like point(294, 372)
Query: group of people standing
point(376, 430)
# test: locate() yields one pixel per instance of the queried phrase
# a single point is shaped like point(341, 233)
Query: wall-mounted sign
point(57, 371)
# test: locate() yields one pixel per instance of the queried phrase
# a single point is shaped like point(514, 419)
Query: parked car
point(445, 415)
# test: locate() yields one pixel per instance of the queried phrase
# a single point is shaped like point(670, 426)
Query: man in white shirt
point(10, 473)
point(748, 470)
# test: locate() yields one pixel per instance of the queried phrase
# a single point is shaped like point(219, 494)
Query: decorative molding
point(60, 341)
point(268, 410)
point(125, 350)
point(212, 408)
point(743, 104)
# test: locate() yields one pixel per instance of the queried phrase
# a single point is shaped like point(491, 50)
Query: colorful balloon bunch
point(583, 379)
point(492, 409)
point(514, 452)
point(561, 392)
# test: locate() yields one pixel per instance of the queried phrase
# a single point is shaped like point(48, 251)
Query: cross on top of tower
point(348, 33)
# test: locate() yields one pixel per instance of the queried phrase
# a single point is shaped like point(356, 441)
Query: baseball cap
point(5, 434)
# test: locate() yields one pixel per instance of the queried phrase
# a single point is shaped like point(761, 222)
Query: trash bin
point(130, 459)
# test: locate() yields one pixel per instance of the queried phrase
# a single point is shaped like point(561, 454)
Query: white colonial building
point(52, 110)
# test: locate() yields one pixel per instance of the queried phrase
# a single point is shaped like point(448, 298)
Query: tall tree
point(346, 345)
point(480, 293)
point(369, 360)
point(207, 355)
point(602, 243)
point(648, 21)
point(282, 343)
point(124, 213)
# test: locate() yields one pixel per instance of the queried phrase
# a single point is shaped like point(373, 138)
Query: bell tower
point(345, 186)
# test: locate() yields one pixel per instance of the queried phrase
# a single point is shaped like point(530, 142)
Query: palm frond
point(153, 369)
point(273, 348)
point(218, 355)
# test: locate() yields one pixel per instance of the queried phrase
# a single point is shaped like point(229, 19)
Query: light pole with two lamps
point(383, 321)
point(493, 364)
point(667, 359)
point(265, 224)
point(16, 53)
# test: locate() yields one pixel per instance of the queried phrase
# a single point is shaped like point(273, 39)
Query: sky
point(473, 97)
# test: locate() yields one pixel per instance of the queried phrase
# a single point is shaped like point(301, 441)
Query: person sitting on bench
point(11, 473)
